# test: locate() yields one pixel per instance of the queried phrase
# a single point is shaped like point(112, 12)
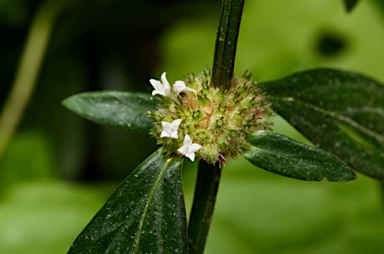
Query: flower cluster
point(170, 129)
point(195, 119)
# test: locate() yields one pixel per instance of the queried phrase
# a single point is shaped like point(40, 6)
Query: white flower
point(170, 129)
point(180, 86)
point(188, 149)
point(162, 88)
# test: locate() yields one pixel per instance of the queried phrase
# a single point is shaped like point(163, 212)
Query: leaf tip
point(349, 176)
point(67, 102)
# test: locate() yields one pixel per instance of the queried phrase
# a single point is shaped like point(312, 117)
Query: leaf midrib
point(285, 156)
point(150, 198)
point(336, 116)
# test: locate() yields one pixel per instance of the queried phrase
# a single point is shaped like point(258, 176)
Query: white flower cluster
point(170, 129)
point(163, 88)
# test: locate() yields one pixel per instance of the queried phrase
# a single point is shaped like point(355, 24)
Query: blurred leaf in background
point(276, 41)
point(29, 157)
point(259, 212)
point(38, 217)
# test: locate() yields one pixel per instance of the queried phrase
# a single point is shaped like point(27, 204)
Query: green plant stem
point(27, 72)
point(226, 42)
point(207, 184)
point(208, 178)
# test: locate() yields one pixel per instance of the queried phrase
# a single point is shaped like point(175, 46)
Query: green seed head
point(217, 120)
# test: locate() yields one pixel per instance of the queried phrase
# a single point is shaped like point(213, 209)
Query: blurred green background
point(59, 169)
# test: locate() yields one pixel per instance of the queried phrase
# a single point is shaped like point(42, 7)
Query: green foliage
point(13, 11)
point(287, 157)
point(248, 217)
point(300, 25)
point(146, 214)
point(350, 4)
point(118, 109)
point(28, 157)
point(260, 212)
point(340, 112)
point(44, 216)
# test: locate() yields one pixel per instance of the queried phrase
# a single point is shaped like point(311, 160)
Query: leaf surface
point(126, 110)
point(340, 112)
point(146, 214)
point(284, 156)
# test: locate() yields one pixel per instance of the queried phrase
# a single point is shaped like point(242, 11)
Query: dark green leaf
point(340, 112)
point(126, 110)
point(350, 4)
point(287, 157)
point(146, 214)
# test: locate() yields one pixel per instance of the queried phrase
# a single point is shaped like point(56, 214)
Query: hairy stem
point(226, 42)
point(208, 178)
point(207, 184)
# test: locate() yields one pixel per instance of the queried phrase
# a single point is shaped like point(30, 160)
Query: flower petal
point(154, 92)
point(183, 150)
point(191, 156)
point(195, 147)
point(164, 80)
point(187, 140)
point(170, 129)
point(188, 149)
point(161, 88)
point(180, 86)
point(176, 123)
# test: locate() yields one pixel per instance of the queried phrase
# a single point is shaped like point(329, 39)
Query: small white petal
point(170, 129)
point(187, 140)
point(176, 123)
point(155, 83)
point(180, 87)
point(159, 92)
point(188, 149)
point(195, 147)
point(161, 88)
point(164, 80)
point(183, 150)
point(191, 156)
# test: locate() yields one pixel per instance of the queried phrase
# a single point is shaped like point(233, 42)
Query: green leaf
point(146, 214)
point(126, 110)
point(284, 156)
point(350, 4)
point(340, 112)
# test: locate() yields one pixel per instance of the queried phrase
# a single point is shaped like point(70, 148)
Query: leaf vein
point(151, 195)
point(338, 117)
